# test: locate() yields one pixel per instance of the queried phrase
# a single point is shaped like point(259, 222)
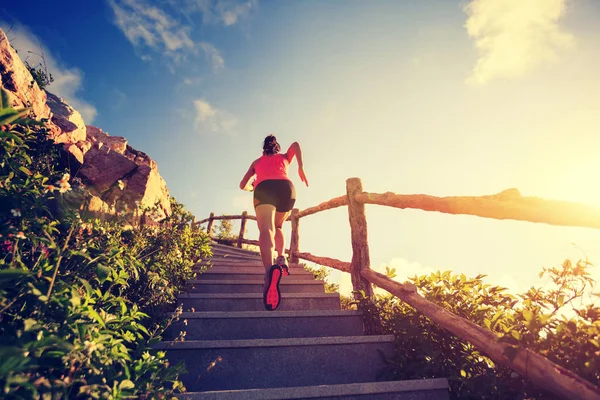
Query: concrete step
point(217, 246)
point(287, 284)
point(239, 263)
point(267, 363)
point(227, 273)
point(266, 324)
point(254, 301)
point(422, 389)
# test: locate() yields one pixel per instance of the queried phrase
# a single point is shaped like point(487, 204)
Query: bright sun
point(578, 182)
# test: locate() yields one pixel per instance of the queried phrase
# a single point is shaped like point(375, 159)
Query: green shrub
point(81, 302)
point(534, 320)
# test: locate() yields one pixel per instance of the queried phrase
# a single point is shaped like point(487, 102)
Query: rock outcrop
point(117, 175)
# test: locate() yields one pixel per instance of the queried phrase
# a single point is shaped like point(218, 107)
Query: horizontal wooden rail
point(327, 205)
point(508, 204)
point(228, 217)
point(326, 261)
point(538, 369)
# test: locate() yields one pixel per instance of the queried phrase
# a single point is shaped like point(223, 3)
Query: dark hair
point(270, 146)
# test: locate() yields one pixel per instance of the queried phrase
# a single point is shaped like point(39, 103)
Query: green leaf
point(463, 373)
point(3, 99)
point(12, 273)
point(528, 315)
point(10, 135)
point(126, 384)
point(13, 116)
point(103, 272)
point(25, 170)
point(29, 323)
point(94, 315)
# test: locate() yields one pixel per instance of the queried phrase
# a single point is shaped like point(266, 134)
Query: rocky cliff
point(115, 173)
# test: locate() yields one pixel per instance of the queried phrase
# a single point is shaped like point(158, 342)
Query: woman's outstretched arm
point(296, 151)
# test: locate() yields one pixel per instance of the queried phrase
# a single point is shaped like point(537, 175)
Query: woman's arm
point(249, 174)
point(296, 151)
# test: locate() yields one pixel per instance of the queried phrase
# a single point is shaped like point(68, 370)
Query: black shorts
point(278, 192)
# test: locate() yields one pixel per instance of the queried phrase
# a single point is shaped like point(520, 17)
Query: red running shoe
point(283, 263)
point(272, 296)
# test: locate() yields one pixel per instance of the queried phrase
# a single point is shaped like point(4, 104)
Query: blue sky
point(437, 97)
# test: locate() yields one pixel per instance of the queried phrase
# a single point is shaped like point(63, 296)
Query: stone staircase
point(306, 349)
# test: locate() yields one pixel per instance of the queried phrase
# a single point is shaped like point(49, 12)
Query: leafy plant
point(81, 301)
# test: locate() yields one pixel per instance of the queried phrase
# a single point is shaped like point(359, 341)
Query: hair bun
point(270, 145)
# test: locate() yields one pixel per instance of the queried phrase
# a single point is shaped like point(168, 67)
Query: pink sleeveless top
point(271, 167)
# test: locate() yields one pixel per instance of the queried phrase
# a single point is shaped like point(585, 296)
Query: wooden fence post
point(295, 238)
point(242, 229)
point(210, 224)
point(358, 233)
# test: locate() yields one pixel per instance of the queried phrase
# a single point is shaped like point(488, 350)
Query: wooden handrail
point(228, 217)
point(326, 261)
point(326, 205)
point(508, 204)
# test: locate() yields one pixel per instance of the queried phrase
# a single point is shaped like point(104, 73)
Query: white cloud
point(212, 119)
point(514, 36)
point(148, 27)
point(225, 12)
point(68, 82)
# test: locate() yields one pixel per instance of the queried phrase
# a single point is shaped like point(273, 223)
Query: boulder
point(118, 176)
point(72, 127)
point(22, 90)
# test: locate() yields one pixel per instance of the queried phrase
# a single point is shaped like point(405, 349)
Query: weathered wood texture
point(242, 229)
point(210, 224)
point(295, 236)
point(327, 205)
point(226, 217)
point(358, 233)
point(540, 370)
point(508, 204)
point(326, 261)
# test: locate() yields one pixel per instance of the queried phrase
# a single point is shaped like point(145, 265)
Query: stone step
point(254, 301)
point(266, 324)
point(221, 249)
point(421, 389)
point(268, 363)
point(287, 284)
point(255, 272)
point(219, 254)
point(239, 263)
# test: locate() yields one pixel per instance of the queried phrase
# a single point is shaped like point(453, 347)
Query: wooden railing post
point(210, 224)
point(242, 229)
point(358, 233)
point(295, 238)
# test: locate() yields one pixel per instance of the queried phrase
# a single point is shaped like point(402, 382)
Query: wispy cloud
point(68, 81)
point(514, 36)
point(148, 27)
point(226, 12)
point(212, 119)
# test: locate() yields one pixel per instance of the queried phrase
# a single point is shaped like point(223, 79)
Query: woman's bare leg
point(280, 218)
point(265, 214)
